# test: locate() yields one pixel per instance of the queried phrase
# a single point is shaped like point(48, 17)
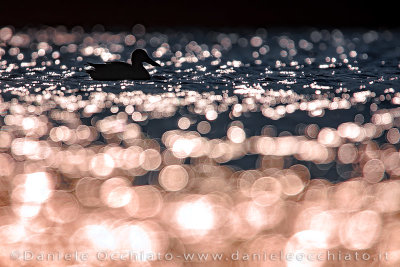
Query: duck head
point(139, 56)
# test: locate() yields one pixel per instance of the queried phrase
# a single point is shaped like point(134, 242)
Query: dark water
point(302, 61)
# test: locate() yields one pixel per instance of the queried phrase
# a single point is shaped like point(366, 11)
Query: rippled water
point(257, 76)
point(237, 134)
point(301, 61)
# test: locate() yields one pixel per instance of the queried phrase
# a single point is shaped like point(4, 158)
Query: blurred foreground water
point(258, 141)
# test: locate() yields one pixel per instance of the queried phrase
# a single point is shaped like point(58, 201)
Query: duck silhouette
point(114, 71)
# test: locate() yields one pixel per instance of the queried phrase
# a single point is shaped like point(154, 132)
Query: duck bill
point(152, 62)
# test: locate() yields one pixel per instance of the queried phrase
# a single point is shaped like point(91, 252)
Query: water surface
point(293, 133)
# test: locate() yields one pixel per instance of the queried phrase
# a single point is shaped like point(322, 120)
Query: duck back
point(114, 71)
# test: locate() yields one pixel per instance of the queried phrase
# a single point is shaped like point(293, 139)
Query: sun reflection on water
point(157, 166)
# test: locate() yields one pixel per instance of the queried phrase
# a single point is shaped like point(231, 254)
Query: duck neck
point(137, 65)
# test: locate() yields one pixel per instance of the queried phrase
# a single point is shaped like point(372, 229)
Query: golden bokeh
point(85, 181)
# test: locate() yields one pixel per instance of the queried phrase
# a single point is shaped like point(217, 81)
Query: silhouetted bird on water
point(113, 71)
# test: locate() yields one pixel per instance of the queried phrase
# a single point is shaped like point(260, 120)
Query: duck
point(117, 70)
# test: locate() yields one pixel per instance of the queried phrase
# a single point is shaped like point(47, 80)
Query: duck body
point(114, 71)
